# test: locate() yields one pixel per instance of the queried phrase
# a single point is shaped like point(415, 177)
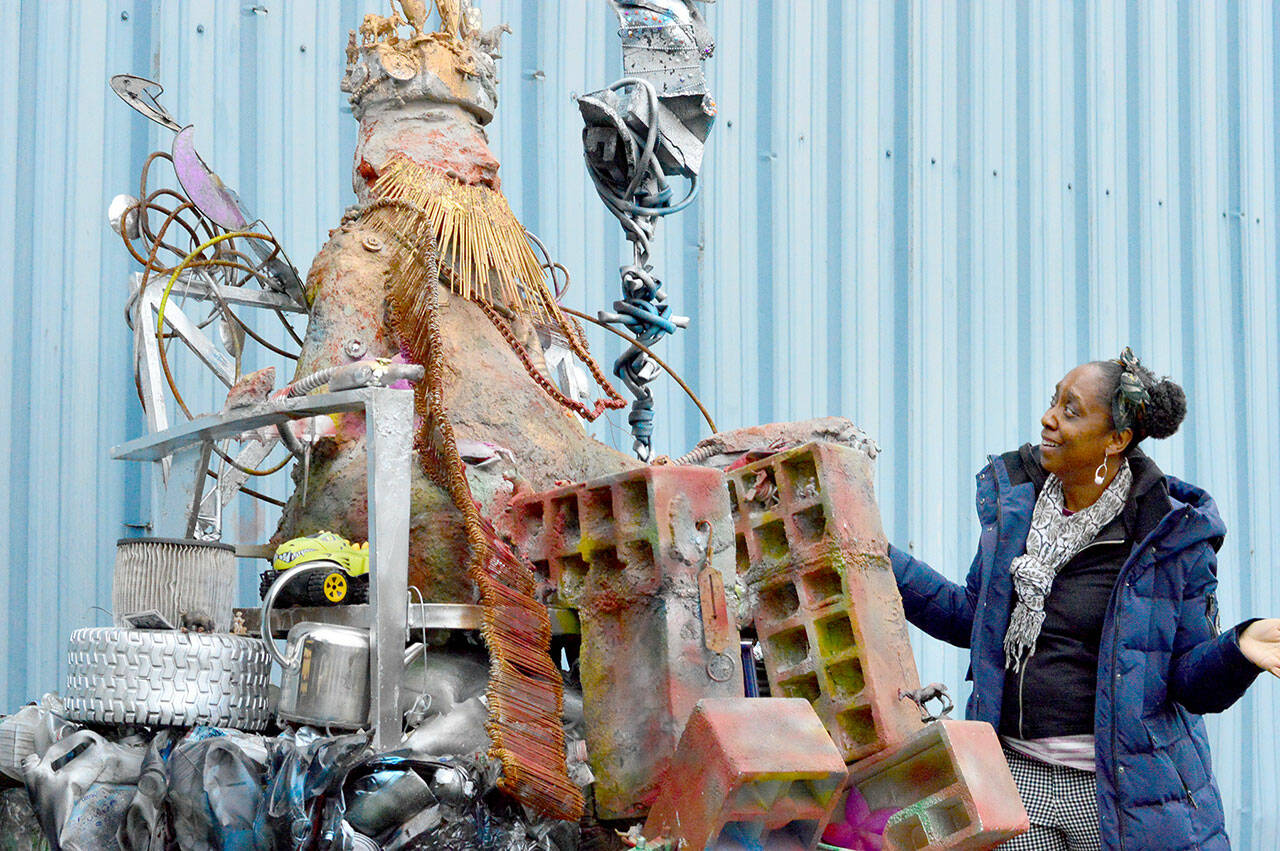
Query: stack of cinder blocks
point(829, 617)
point(647, 559)
point(650, 557)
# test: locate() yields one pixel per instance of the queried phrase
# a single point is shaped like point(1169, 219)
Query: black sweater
point(1054, 694)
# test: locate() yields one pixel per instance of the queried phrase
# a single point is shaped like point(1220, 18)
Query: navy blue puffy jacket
point(1161, 663)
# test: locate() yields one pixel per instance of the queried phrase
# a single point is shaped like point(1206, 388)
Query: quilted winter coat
point(1161, 661)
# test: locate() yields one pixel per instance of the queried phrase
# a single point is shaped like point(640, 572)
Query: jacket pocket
point(1171, 745)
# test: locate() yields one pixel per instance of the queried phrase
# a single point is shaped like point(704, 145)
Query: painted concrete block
point(755, 770)
point(810, 547)
point(647, 559)
point(949, 788)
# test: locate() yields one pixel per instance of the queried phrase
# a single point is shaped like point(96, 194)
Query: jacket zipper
point(1022, 675)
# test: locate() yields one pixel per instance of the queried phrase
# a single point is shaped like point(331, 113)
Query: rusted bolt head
point(372, 243)
point(354, 348)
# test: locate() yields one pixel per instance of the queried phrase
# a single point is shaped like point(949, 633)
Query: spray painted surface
point(915, 215)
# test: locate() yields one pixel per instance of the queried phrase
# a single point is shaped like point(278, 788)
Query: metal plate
point(137, 92)
point(205, 189)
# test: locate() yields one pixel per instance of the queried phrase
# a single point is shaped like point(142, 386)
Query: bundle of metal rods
point(476, 234)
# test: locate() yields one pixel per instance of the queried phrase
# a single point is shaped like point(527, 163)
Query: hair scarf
point(1054, 539)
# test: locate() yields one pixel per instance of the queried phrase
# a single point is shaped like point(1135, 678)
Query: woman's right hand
point(1260, 644)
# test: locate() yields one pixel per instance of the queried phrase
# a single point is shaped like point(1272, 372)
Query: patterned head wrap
point(1130, 403)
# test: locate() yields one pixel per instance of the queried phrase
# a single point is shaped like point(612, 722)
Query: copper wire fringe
point(525, 691)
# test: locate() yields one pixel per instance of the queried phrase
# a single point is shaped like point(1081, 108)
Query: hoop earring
point(1100, 474)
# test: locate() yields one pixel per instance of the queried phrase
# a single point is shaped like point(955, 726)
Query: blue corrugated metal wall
point(915, 214)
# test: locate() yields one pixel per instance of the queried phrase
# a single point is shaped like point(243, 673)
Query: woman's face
point(1076, 431)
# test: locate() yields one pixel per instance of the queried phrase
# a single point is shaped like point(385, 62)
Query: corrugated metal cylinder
point(176, 578)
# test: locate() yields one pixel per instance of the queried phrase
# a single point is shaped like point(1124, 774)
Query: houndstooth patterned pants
point(1062, 803)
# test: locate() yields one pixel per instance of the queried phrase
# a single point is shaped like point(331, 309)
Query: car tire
point(167, 678)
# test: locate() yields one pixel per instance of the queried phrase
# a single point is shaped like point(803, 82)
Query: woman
point(1090, 615)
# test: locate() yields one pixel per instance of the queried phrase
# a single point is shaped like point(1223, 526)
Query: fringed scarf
point(1054, 539)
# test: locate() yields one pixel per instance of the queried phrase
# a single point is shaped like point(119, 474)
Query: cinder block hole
point(919, 828)
point(779, 602)
point(597, 511)
point(757, 796)
point(811, 524)
point(789, 648)
point(802, 477)
point(908, 832)
point(531, 519)
point(846, 677)
point(743, 554)
point(637, 558)
point(857, 726)
point(948, 817)
point(773, 540)
point(573, 575)
point(835, 635)
point(915, 778)
point(733, 496)
point(753, 834)
point(797, 834)
point(805, 686)
point(631, 502)
point(740, 834)
point(606, 561)
point(564, 513)
point(541, 568)
point(822, 585)
point(822, 791)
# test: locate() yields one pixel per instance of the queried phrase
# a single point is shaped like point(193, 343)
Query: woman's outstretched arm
point(940, 607)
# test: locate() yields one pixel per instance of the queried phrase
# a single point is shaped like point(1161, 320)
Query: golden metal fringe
point(476, 233)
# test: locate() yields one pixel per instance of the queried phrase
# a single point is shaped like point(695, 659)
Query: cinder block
point(949, 787)
point(763, 770)
point(655, 599)
point(828, 614)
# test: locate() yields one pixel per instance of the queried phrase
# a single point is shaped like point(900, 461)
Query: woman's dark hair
point(1152, 407)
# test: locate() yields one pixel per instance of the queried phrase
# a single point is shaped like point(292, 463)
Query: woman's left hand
point(1260, 644)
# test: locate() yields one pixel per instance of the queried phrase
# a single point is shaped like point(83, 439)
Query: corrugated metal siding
point(918, 215)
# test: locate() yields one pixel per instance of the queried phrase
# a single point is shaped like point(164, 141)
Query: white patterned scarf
point(1054, 539)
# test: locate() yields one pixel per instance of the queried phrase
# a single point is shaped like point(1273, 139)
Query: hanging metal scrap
point(646, 127)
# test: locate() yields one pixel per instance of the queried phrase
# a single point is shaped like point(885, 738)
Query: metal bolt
point(354, 348)
point(888, 154)
point(124, 16)
point(371, 243)
point(200, 28)
point(302, 48)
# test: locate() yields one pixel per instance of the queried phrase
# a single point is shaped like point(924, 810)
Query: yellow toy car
point(346, 583)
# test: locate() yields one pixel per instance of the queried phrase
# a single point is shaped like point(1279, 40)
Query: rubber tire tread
point(167, 678)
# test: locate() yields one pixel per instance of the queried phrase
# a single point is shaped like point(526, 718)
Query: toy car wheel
point(167, 678)
point(334, 587)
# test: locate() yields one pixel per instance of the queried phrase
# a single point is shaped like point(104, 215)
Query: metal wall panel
point(917, 214)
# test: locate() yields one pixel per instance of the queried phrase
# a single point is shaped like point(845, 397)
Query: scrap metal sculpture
point(643, 129)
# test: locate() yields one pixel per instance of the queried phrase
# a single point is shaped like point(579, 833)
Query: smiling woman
point(1091, 619)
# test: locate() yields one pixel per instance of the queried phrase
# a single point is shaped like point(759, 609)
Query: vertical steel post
point(389, 430)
